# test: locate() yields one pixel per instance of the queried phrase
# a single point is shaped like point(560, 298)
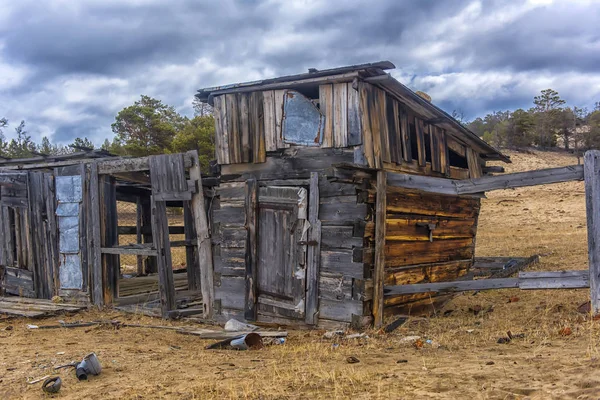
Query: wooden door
point(281, 263)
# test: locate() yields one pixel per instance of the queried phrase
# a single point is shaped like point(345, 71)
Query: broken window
point(303, 123)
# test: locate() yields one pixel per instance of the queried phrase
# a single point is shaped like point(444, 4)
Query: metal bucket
point(249, 341)
point(89, 365)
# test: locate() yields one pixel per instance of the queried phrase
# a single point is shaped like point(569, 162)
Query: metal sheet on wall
point(70, 273)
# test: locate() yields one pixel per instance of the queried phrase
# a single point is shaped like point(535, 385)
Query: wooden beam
point(129, 251)
point(421, 182)
point(313, 252)
point(203, 237)
point(251, 295)
point(124, 165)
point(525, 281)
point(379, 273)
point(520, 179)
point(591, 162)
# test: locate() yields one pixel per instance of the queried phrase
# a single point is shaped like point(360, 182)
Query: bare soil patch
point(464, 359)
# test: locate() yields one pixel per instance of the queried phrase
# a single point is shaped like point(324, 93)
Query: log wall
point(414, 253)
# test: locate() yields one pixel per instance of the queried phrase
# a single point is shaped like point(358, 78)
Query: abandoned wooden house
point(338, 197)
point(63, 231)
point(314, 206)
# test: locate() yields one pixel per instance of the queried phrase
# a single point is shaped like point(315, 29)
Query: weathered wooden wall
point(382, 131)
point(342, 287)
point(414, 253)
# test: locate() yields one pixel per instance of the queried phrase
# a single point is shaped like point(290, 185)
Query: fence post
point(591, 169)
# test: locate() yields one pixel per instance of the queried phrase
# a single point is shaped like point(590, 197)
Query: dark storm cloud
point(74, 65)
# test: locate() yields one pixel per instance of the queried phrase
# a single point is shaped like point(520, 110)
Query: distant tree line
point(144, 128)
point(549, 123)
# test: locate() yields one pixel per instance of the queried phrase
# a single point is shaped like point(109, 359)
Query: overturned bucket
point(249, 341)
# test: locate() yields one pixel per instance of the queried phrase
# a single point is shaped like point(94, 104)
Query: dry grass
point(544, 364)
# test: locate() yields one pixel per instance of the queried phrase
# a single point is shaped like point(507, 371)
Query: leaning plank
point(205, 259)
point(379, 273)
point(129, 251)
point(326, 104)
point(420, 182)
point(520, 179)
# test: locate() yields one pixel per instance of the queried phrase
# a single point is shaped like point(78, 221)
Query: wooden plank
point(393, 130)
point(128, 251)
point(278, 102)
point(339, 237)
point(326, 106)
point(443, 151)
point(420, 182)
point(221, 115)
point(375, 105)
point(118, 165)
point(364, 93)
point(520, 179)
point(205, 260)
point(399, 253)
point(554, 280)
point(109, 237)
point(412, 228)
point(434, 148)
point(233, 129)
point(456, 146)
point(191, 256)
point(405, 134)
point(421, 158)
point(340, 115)
point(475, 169)
point(314, 252)
point(409, 201)
point(380, 229)
point(257, 127)
point(591, 161)
point(251, 292)
point(457, 286)
point(354, 125)
point(384, 127)
point(138, 235)
point(160, 233)
point(244, 127)
point(269, 120)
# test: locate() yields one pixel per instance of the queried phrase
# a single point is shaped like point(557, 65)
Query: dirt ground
point(464, 359)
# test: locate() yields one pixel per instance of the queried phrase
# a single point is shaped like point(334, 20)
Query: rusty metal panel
point(303, 123)
point(70, 273)
point(68, 228)
point(68, 189)
point(67, 210)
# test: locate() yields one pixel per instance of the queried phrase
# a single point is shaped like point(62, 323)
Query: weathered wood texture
point(313, 252)
point(525, 281)
point(591, 162)
point(251, 208)
point(380, 248)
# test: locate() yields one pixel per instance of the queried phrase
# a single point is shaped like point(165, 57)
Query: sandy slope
point(546, 220)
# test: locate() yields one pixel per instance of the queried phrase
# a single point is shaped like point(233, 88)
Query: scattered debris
point(476, 309)
point(585, 308)
point(448, 312)
point(352, 360)
point(89, 366)
point(513, 299)
point(52, 385)
point(233, 325)
point(470, 330)
point(60, 353)
point(401, 361)
point(490, 363)
point(173, 347)
point(8, 328)
point(332, 334)
point(503, 340)
point(38, 380)
point(32, 326)
point(512, 336)
point(356, 336)
point(249, 341)
point(418, 344)
point(409, 339)
point(394, 325)
point(566, 331)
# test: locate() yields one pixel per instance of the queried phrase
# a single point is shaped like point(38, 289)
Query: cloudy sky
point(67, 67)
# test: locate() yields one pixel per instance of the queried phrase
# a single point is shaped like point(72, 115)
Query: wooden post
point(191, 253)
point(591, 163)
point(203, 237)
point(150, 262)
point(160, 233)
point(250, 310)
point(378, 276)
point(94, 241)
point(138, 235)
point(314, 252)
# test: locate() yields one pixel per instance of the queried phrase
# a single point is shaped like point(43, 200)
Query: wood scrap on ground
point(35, 308)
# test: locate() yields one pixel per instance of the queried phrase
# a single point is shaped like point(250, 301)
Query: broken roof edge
point(203, 94)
